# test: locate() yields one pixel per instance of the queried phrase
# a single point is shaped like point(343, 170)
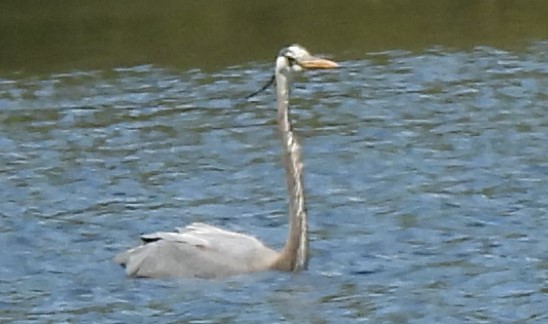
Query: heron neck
point(294, 256)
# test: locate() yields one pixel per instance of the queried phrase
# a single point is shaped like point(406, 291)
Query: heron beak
point(317, 63)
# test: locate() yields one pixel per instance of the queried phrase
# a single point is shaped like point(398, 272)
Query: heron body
point(205, 251)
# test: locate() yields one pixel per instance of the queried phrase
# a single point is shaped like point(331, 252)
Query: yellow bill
point(317, 63)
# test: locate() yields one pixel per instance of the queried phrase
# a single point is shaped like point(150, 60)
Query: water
point(426, 176)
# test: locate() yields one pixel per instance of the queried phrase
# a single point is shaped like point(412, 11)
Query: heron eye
point(291, 60)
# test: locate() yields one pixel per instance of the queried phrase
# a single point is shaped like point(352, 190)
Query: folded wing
point(197, 250)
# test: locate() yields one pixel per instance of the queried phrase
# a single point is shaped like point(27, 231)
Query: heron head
point(296, 58)
point(293, 59)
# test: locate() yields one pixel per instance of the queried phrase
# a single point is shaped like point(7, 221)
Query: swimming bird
point(205, 251)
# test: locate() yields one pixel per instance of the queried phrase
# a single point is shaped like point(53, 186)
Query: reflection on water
point(426, 178)
point(59, 36)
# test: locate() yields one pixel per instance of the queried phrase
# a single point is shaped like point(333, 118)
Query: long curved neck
point(294, 256)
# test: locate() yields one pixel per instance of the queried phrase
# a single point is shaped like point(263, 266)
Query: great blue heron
point(201, 250)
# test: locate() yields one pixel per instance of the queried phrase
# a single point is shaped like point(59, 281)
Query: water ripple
point(426, 179)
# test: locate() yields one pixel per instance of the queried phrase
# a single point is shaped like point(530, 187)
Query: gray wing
point(198, 250)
